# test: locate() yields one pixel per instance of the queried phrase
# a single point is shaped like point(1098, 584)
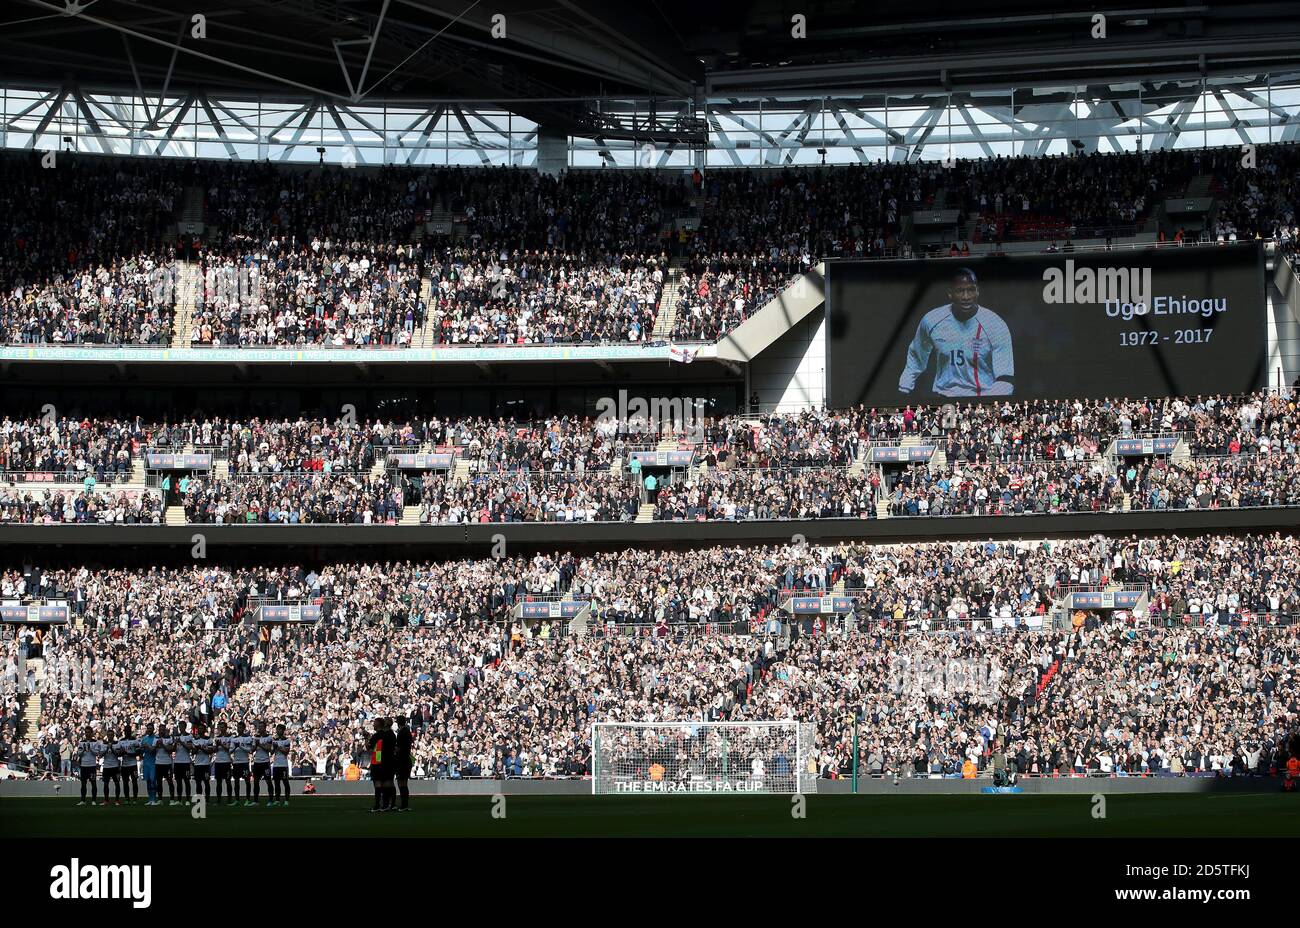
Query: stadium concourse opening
point(730, 420)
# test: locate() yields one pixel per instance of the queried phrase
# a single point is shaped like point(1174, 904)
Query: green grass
point(1127, 815)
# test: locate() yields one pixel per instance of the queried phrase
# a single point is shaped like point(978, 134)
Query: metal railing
point(1066, 589)
point(1145, 434)
point(39, 478)
point(1267, 619)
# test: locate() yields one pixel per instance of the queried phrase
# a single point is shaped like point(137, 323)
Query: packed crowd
point(1096, 192)
point(265, 202)
point(575, 257)
point(1264, 479)
point(1150, 693)
point(1103, 701)
point(1030, 430)
point(560, 444)
point(1020, 488)
point(1000, 458)
point(716, 293)
point(1204, 482)
point(291, 292)
point(482, 298)
point(104, 448)
point(808, 213)
point(11, 718)
point(909, 585)
point(267, 446)
point(82, 256)
point(329, 256)
point(777, 493)
point(90, 505)
point(521, 497)
point(291, 499)
point(533, 259)
point(130, 301)
point(1260, 201)
point(68, 448)
point(809, 438)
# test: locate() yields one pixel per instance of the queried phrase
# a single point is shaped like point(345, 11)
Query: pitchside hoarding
point(1148, 322)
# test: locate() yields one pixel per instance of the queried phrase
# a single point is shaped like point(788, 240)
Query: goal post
point(702, 757)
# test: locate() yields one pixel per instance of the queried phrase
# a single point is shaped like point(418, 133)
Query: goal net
point(703, 757)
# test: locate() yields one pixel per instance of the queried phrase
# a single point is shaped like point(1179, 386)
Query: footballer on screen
point(970, 343)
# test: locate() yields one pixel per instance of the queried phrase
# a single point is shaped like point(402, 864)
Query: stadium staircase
point(460, 473)
point(31, 703)
point(424, 337)
point(192, 217)
point(645, 512)
point(188, 288)
point(174, 515)
point(137, 481)
point(1202, 185)
point(31, 715)
point(667, 317)
point(220, 468)
point(906, 231)
point(859, 466)
point(882, 495)
point(410, 515)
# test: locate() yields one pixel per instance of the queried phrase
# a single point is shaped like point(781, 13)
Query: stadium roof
point(554, 58)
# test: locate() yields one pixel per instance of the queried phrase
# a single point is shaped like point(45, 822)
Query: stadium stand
point(868, 420)
point(1024, 458)
point(1196, 674)
point(83, 258)
point(330, 257)
point(1219, 628)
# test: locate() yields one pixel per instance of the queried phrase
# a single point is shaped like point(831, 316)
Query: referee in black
point(402, 762)
point(381, 747)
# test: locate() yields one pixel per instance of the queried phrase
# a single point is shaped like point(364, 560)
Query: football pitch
point(1126, 815)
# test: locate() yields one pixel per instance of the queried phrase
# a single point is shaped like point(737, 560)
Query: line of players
point(173, 758)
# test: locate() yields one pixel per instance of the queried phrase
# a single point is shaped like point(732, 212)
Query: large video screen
point(1150, 322)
